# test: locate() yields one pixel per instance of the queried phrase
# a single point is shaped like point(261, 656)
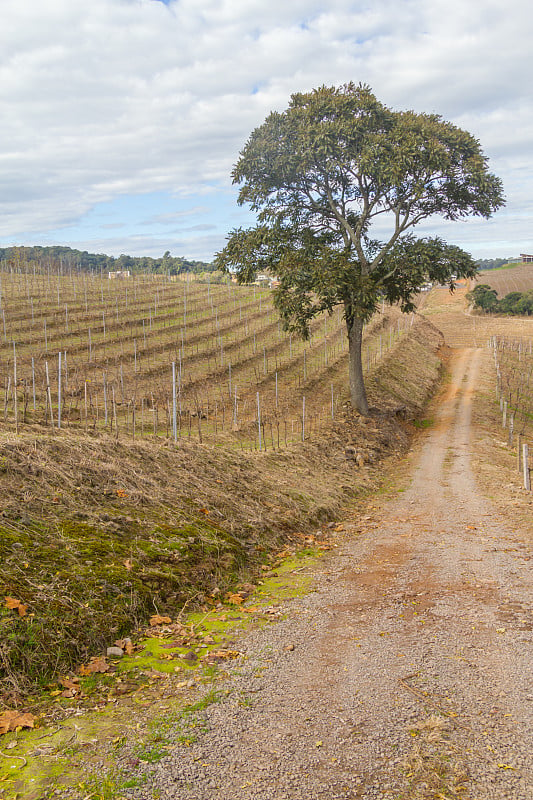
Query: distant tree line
point(493, 263)
point(66, 259)
point(484, 298)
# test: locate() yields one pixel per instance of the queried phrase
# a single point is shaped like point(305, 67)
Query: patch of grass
point(434, 767)
point(99, 788)
point(208, 699)
point(82, 592)
point(181, 726)
point(423, 424)
point(151, 753)
point(110, 785)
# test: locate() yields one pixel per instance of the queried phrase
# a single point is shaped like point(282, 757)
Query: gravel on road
point(407, 673)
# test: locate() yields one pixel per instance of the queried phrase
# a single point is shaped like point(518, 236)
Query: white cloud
point(113, 97)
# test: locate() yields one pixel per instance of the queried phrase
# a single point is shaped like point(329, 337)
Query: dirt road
point(408, 673)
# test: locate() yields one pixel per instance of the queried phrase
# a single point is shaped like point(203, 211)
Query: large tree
point(339, 181)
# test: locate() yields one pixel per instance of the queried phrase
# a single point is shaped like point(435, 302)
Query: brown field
point(515, 279)
point(462, 328)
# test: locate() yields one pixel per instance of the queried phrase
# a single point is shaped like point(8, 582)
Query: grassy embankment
point(98, 534)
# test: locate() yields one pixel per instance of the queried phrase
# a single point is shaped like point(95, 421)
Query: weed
point(99, 788)
point(245, 701)
point(151, 753)
point(211, 697)
point(133, 782)
point(110, 785)
point(210, 671)
point(423, 424)
point(434, 767)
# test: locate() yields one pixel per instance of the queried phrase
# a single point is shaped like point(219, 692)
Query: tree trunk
point(357, 384)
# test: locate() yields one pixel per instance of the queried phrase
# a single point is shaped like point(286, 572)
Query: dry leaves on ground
point(97, 664)
point(157, 619)
point(220, 655)
point(126, 645)
point(13, 603)
point(11, 720)
point(235, 599)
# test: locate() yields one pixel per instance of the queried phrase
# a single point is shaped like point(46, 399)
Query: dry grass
point(495, 461)
point(449, 314)
point(434, 768)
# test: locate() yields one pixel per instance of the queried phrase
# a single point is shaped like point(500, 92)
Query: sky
point(121, 119)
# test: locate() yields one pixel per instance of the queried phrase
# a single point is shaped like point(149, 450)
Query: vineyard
point(513, 359)
point(154, 356)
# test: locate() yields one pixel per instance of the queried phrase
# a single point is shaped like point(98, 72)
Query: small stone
point(190, 656)
point(115, 652)
point(289, 647)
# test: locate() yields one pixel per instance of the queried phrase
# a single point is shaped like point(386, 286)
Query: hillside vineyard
point(167, 357)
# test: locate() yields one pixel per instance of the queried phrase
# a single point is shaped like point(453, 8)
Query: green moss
point(95, 585)
point(178, 724)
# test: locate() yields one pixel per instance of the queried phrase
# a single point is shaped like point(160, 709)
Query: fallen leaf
point(221, 655)
point(97, 664)
point(13, 604)
point(70, 683)
point(236, 599)
point(11, 720)
point(125, 644)
point(157, 619)
point(204, 511)
point(128, 564)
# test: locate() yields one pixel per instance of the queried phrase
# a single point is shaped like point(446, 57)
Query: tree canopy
point(484, 298)
point(339, 181)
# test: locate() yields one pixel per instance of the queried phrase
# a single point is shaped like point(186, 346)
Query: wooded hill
point(65, 259)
